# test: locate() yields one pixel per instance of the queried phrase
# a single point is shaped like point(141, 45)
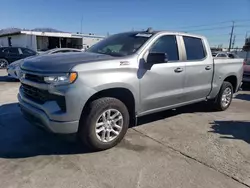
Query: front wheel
point(225, 96)
point(3, 63)
point(105, 123)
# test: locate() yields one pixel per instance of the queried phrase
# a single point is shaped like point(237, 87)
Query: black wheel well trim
point(233, 80)
point(123, 94)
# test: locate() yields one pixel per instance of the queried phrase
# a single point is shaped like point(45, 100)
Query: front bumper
point(38, 117)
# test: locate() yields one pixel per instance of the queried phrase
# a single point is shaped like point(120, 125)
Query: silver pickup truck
point(98, 94)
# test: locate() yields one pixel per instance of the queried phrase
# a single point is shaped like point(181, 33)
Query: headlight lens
point(61, 79)
point(21, 75)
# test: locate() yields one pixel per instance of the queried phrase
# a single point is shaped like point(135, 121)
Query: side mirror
point(155, 58)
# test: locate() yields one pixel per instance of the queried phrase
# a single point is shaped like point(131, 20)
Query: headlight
point(61, 79)
point(21, 75)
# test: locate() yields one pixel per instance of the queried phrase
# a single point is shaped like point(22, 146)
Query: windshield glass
point(47, 52)
point(214, 54)
point(121, 44)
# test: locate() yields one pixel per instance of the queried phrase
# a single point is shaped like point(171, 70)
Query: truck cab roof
point(159, 32)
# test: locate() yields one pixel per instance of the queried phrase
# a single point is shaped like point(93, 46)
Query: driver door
point(162, 85)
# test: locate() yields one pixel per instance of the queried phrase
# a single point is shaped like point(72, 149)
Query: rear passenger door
point(13, 54)
point(199, 69)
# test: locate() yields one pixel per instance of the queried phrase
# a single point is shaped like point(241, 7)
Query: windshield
point(47, 52)
point(121, 44)
point(214, 54)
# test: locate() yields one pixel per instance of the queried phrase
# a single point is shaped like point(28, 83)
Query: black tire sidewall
point(6, 62)
point(96, 109)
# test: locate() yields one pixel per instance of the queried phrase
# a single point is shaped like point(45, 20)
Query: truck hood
point(62, 62)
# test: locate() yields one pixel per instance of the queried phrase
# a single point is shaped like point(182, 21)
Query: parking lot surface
point(187, 147)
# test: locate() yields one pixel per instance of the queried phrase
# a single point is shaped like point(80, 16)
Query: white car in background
point(14, 68)
point(224, 55)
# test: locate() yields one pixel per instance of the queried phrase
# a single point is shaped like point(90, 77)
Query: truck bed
point(222, 69)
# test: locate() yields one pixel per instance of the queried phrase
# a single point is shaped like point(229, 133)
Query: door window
point(194, 48)
point(222, 55)
point(12, 51)
point(232, 56)
point(166, 44)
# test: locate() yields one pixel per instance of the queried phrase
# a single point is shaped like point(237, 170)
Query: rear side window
point(27, 51)
point(13, 50)
point(221, 55)
point(166, 44)
point(194, 48)
point(232, 56)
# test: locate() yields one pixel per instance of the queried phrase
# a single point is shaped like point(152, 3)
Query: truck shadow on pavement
point(203, 107)
point(7, 79)
point(245, 97)
point(19, 139)
point(239, 130)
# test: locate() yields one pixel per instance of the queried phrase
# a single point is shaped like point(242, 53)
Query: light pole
point(247, 34)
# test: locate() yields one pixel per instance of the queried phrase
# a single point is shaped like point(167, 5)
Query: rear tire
point(104, 124)
point(3, 63)
point(224, 97)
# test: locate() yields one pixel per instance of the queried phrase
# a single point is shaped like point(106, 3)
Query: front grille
point(34, 78)
point(41, 96)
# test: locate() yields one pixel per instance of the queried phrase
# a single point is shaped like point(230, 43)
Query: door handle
point(208, 67)
point(178, 70)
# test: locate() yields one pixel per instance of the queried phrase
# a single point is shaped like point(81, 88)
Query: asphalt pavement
point(188, 147)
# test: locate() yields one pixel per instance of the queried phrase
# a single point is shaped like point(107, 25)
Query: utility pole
point(233, 41)
point(246, 35)
point(231, 37)
point(81, 25)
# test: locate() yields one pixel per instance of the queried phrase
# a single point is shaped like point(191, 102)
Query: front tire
point(224, 97)
point(3, 63)
point(105, 124)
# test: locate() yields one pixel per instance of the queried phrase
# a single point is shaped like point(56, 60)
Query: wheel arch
point(232, 79)
point(123, 94)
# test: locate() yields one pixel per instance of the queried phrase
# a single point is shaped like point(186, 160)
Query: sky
point(113, 16)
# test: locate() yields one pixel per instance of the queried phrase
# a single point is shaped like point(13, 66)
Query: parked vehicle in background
point(59, 50)
point(11, 54)
point(14, 67)
point(100, 93)
point(224, 55)
point(246, 74)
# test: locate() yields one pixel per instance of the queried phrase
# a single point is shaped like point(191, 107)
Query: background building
point(44, 39)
